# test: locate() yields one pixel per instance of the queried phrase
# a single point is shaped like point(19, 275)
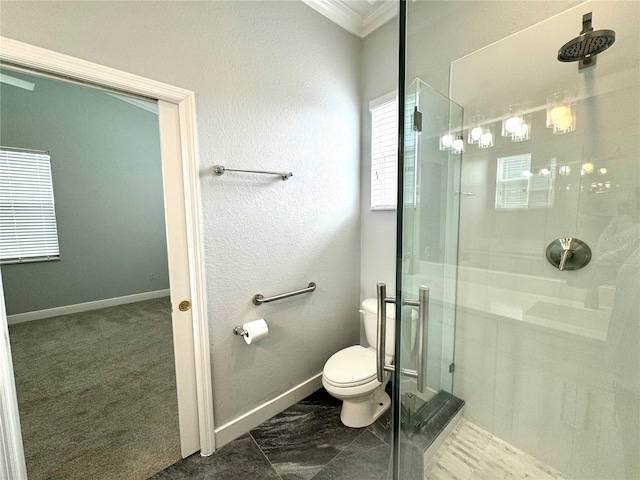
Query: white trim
point(36, 58)
point(177, 248)
point(85, 306)
point(32, 57)
point(244, 423)
point(340, 13)
point(12, 463)
point(377, 17)
point(191, 175)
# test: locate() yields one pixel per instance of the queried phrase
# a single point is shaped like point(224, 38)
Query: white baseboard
point(85, 307)
point(243, 424)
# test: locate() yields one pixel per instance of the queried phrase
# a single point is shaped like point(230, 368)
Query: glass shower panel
point(551, 358)
point(430, 212)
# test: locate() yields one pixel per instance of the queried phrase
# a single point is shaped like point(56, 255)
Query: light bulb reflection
point(564, 170)
point(458, 145)
point(446, 141)
point(476, 134)
point(561, 112)
point(486, 140)
point(512, 124)
point(520, 133)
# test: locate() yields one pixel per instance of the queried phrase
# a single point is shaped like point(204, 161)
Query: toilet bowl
point(350, 375)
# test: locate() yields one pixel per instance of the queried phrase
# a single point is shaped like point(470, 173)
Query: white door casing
point(176, 113)
point(12, 463)
point(177, 245)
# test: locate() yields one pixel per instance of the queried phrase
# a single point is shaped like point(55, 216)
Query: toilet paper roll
point(256, 330)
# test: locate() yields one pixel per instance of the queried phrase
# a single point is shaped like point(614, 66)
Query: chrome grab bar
point(423, 311)
point(259, 299)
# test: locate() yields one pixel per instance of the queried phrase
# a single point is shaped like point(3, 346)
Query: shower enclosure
point(546, 358)
point(426, 277)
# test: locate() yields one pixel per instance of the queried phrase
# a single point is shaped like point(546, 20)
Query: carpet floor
point(97, 393)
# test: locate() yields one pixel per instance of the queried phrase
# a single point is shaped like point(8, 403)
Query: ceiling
point(360, 17)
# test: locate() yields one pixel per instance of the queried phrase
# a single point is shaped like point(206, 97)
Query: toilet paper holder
point(240, 331)
point(252, 331)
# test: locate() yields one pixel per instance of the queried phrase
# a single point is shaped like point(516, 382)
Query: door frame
point(176, 113)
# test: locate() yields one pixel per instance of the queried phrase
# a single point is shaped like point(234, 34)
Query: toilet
point(350, 375)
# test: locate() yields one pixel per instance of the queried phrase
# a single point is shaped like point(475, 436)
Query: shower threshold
point(414, 420)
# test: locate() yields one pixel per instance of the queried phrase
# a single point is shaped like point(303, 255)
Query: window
point(519, 187)
point(28, 230)
point(384, 152)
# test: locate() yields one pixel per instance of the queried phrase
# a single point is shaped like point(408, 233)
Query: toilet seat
point(351, 367)
point(351, 375)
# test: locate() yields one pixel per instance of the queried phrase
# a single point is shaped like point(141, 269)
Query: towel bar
point(220, 169)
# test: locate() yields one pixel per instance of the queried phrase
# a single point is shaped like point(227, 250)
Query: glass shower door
point(427, 277)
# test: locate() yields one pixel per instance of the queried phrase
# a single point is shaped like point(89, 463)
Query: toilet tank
point(370, 309)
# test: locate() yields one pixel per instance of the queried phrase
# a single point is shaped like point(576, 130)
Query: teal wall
point(107, 179)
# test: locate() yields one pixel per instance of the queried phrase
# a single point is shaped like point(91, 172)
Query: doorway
point(90, 327)
point(179, 173)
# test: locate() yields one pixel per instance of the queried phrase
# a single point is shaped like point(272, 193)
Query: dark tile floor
point(305, 441)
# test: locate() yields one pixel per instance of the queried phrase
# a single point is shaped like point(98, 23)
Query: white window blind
point(384, 152)
point(410, 188)
point(519, 187)
point(28, 230)
point(512, 182)
point(542, 186)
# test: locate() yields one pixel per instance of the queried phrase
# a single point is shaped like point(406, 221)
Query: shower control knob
point(568, 253)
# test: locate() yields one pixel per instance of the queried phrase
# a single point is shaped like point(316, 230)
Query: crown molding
point(378, 16)
point(339, 12)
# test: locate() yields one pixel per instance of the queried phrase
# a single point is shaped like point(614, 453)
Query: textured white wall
point(379, 76)
point(277, 88)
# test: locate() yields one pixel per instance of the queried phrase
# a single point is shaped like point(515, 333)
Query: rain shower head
point(589, 44)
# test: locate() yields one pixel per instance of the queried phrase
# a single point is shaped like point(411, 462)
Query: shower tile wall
point(545, 359)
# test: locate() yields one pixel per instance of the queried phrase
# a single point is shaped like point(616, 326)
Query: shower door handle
point(423, 326)
point(423, 335)
point(420, 373)
point(381, 360)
